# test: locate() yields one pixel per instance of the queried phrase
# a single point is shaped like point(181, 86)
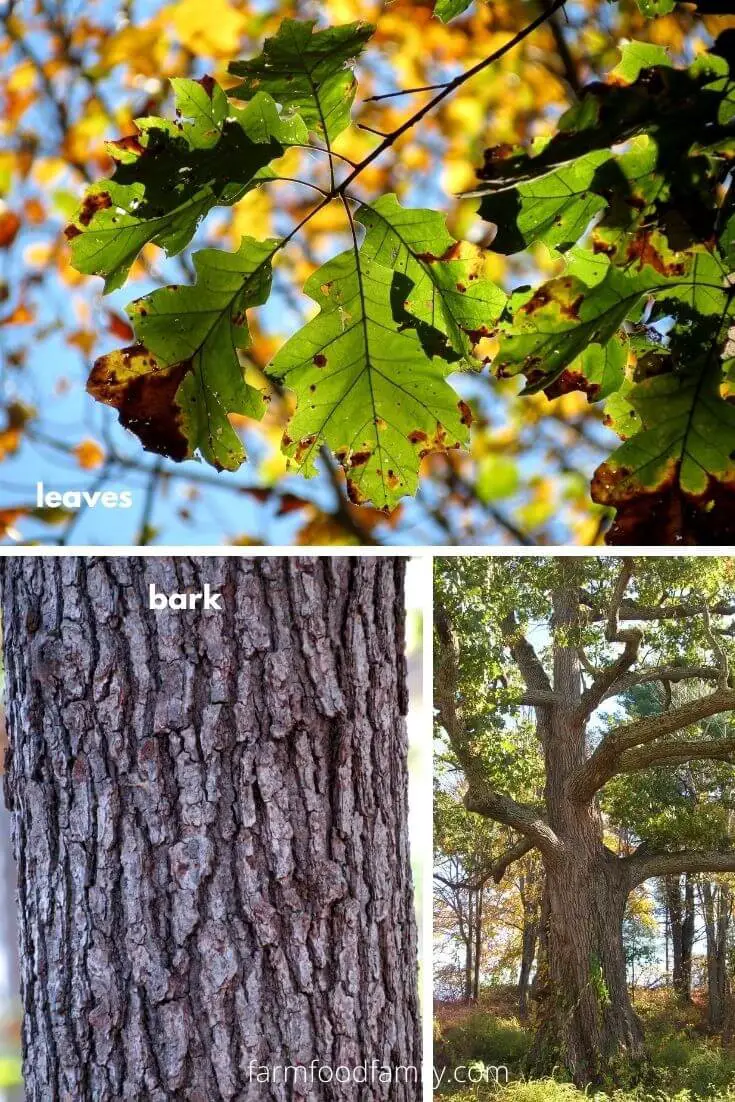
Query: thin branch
point(372, 130)
point(447, 89)
point(448, 86)
point(630, 637)
point(515, 853)
point(145, 530)
point(723, 666)
point(565, 54)
point(320, 149)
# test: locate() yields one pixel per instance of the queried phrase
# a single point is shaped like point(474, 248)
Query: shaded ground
point(686, 1063)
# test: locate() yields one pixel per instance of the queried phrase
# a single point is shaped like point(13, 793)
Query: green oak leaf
point(177, 385)
point(637, 56)
point(554, 326)
point(307, 71)
point(551, 327)
point(365, 388)
point(450, 9)
point(674, 480)
point(652, 8)
point(555, 208)
point(171, 174)
point(445, 285)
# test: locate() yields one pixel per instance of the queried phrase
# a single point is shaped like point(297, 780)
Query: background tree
point(210, 825)
point(494, 925)
point(579, 633)
point(71, 83)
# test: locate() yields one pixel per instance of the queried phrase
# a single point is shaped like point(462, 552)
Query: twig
point(145, 530)
point(565, 54)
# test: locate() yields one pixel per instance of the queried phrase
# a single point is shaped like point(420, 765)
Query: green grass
point(10, 1071)
point(549, 1090)
point(684, 1064)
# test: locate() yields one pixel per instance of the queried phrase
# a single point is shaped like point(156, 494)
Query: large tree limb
point(481, 796)
point(676, 752)
point(631, 610)
point(663, 674)
point(524, 655)
point(539, 698)
point(604, 763)
point(484, 800)
point(630, 637)
point(515, 853)
point(644, 864)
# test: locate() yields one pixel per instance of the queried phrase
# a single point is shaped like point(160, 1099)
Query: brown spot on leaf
point(664, 515)
point(92, 203)
point(570, 381)
point(642, 249)
point(461, 287)
point(304, 445)
point(600, 246)
point(476, 335)
point(320, 359)
point(418, 436)
point(71, 231)
point(207, 83)
point(359, 459)
point(541, 298)
point(466, 413)
point(571, 309)
point(452, 252)
point(144, 394)
point(129, 144)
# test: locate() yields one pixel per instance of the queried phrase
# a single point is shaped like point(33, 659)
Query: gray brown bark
point(717, 913)
point(586, 1020)
point(210, 827)
point(680, 908)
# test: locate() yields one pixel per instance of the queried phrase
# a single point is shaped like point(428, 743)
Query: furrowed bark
point(210, 825)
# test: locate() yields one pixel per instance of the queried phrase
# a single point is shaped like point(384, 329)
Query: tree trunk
point(716, 909)
point(681, 918)
point(586, 1020)
point(529, 938)
point(469, 949)
point(478, 944)
point(210, 828)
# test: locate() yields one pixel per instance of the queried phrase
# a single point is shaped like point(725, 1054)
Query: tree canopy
point(409, 270)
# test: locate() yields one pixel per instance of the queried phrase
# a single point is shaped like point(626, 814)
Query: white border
point(421, 551)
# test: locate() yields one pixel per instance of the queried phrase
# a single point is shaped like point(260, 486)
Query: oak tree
point(565, 637)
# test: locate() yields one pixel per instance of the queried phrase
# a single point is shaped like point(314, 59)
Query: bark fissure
point(210, 827)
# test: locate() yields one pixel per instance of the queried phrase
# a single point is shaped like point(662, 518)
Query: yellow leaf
point(213, 27)
point(143, 49)
point(90, 454)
